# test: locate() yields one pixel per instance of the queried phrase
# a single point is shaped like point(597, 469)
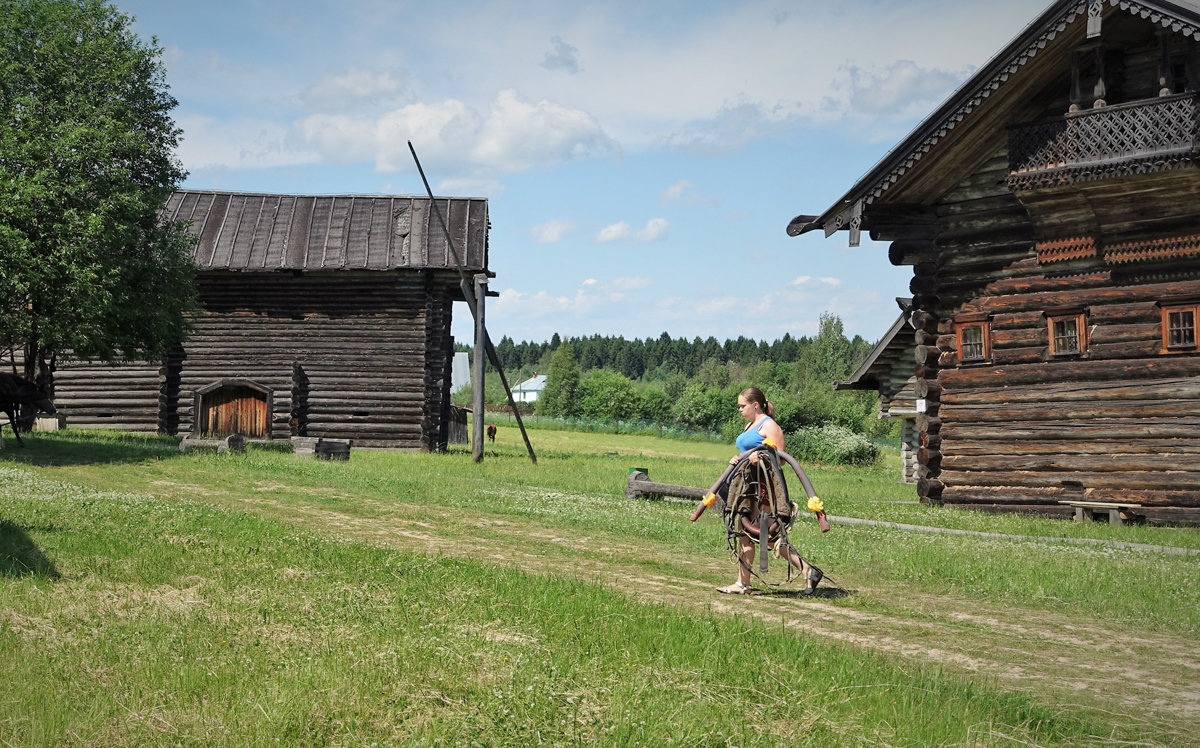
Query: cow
point(19, 400)
point(491, 432)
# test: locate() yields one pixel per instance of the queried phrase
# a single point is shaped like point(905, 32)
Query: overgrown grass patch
point(162, 621)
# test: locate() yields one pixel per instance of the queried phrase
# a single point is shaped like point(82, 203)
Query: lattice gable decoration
point(1017, 59)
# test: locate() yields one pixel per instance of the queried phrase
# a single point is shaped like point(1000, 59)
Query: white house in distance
point(530, 390)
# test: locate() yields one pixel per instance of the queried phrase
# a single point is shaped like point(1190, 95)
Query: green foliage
point(703, 408)
point(607, 394)
point(561, 394)
point(832, 445)
point(86, 162)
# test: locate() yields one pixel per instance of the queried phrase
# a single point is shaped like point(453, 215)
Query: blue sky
point(641, 159)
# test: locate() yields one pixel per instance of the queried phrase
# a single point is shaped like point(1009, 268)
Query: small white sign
point(921, 405)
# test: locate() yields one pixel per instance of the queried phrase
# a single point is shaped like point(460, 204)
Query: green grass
point(179, 621)
point(410, 598)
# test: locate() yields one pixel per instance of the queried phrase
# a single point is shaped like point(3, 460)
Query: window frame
point(1167, 310)
point(1080, 320)
point(985, 327)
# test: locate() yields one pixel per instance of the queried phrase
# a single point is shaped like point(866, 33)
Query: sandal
point(737, 588)
point(815, 576)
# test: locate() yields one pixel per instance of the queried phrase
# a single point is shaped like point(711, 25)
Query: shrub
point(832, 445)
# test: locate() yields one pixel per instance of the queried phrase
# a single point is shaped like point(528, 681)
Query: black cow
point(17, 396)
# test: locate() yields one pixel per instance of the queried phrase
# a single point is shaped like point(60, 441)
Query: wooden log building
point(1049, 212)
point(324, 316)
point(888, 369)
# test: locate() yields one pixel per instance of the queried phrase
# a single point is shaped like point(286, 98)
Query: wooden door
point(234, 409)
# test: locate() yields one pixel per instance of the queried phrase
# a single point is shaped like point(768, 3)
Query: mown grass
point(200, 599)
point(167, 621)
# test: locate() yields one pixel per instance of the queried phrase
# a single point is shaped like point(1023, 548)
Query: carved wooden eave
point(965, 124)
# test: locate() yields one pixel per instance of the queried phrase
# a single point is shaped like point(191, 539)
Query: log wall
point(363, 356)
point(1027, 429)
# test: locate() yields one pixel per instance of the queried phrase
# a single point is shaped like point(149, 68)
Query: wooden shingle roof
point(261, 232)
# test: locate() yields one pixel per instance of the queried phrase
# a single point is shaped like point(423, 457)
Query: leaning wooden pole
point(469, 296)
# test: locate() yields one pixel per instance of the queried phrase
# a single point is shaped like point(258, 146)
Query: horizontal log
point(1019, 320)
point(1101, 428)
point(1068, 410)
point(1133, 313)
point(1177, 388)
point(1071, 371)
point(1081, 297)
point(1138, 480)
point(1105, 334)
point(1023, 495)
point(1180, 448)
point(1012, 356)
point(1114, 463)
point(1027, 337)
point(1137, 349)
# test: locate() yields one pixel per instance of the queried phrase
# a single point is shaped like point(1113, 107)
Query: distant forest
point(694, 383)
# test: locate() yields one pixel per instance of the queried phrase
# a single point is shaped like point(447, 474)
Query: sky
point(641, 158)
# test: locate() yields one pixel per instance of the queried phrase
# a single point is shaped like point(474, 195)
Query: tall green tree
point(87, 160)
point(560, 397)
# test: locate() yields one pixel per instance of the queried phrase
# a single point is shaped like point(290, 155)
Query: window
point(1179, 327)
point(1068, 335)
point(974, 342)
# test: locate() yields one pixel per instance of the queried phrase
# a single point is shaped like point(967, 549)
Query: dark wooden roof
point(259, 232)
point(970, 103)
point(892, 349)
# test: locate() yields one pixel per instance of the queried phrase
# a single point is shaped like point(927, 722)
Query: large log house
point(1049, 212)
point(321, 316)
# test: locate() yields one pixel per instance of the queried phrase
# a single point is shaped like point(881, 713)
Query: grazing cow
point(491, 432)
point(20, 396)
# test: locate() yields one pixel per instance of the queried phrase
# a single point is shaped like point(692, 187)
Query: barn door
point(233, 408)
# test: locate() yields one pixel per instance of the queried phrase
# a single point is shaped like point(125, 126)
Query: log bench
point(639, 486)
point(1118, 513)
point(231, 443)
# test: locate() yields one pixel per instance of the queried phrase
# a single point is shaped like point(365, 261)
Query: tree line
point(694, 383)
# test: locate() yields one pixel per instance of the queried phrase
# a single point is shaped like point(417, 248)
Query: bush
point(832, 445)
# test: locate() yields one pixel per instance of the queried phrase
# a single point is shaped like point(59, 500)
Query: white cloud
point(515, 136)
point(675, 192)
point(519, 136)
point(832, 281)
point(552, 231)
point(243, 143)
point(654, 230)
point(614, 232)
point(358, 86)
point(802, 280)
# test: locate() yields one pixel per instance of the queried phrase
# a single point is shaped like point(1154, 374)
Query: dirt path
point(1150, 678)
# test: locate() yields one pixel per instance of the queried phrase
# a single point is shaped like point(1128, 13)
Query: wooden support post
point(477, 390)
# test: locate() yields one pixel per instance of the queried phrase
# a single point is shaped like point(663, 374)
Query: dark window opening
point(1179, 327)
point(973, 343)
point(1067, 335)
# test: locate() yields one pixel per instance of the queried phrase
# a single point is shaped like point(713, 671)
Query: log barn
point(888, 369)
point(1049, 212)
point(324, 316)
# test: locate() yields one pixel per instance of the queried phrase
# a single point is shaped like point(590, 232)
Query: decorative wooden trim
point(1061, 250)
point(1152, 249)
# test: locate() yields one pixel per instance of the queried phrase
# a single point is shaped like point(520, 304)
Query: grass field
point(148, 597)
